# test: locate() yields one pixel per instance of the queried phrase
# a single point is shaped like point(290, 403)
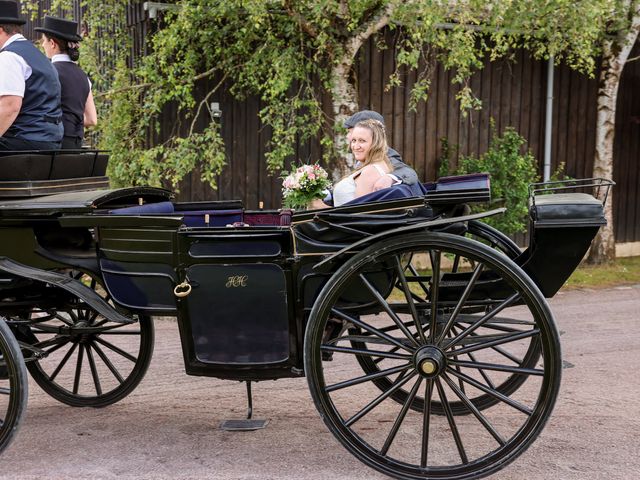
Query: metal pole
point(548, 122)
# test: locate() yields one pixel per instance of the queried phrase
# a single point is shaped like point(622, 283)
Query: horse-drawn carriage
point(427, 343)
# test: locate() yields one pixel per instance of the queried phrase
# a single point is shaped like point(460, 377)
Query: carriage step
point(67, 283)
point(246, 424)
point(243, 425)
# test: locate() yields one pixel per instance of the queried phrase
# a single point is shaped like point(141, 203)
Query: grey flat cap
point(363, 115)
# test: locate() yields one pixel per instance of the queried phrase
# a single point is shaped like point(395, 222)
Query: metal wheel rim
point(480, 466)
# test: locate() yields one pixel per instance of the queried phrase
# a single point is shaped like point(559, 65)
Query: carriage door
point(236, 313)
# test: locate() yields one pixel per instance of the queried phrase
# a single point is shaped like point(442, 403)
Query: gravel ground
point(168, 428)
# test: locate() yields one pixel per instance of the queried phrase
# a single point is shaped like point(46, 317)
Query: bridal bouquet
point(304, 184)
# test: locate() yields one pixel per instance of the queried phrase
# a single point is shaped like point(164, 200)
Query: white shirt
point(15, 70)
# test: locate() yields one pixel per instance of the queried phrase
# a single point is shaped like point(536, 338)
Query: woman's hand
point(316, 204)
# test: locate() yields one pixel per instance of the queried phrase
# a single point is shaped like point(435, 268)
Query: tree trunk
point(345, 104)
point(615, 54)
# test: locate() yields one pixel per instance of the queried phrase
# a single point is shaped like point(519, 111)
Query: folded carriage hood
point(82, 202)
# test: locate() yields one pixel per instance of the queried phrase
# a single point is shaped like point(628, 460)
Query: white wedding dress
point(345, 189)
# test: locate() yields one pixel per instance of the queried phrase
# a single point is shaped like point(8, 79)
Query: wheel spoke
point(498, 341)
point(383, 303)
point(396, 425)
point(452, 422)
point(94, 371)
point(417, 277)
point(112, 347)
point(369, 328)
point(478, 323)
point(57, 342)
point(515, 404)
point(380, 398)
point(370, 353)
point(435, 289)
point(62, 363)
point(412, 306)
point(463, 298)
point(426, 423)
point(76, 379)
point(108, 363)
point(481, 418)
point(497, 367)
point(367, 378)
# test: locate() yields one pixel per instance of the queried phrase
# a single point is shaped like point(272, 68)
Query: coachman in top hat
point(30, 113)
point(60, 42)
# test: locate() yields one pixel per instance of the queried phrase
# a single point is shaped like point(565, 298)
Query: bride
point(368, 143)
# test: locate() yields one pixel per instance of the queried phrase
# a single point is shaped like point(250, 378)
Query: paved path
point(168, 427)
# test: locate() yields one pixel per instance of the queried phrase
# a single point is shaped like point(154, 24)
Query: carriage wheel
point(497, 240)
point(466, 334)
point(88, 360)
point(13, 386)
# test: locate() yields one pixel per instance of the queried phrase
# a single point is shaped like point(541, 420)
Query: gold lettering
point(235, 281)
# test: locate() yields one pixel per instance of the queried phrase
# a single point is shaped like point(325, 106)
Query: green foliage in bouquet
point(303, 185)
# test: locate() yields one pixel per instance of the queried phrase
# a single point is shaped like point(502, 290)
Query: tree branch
point(205, 102)
point(108, 93)
point(376, 24)
point(298, 17)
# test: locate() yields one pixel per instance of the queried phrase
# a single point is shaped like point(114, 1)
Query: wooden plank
point(430, 160)
point(387, 100)
point(377, 83)
point(408, 134)
point(485, 113)
point(442, 110)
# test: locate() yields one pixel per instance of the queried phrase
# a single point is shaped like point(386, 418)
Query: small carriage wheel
point(495, 312)
point(13, 386)
point(88, 360)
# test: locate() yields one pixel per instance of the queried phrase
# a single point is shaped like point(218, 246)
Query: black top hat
point(9, 13)
point(60, 28)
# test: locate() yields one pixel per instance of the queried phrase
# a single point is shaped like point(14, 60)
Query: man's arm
point(402, 171)
point(9, 109)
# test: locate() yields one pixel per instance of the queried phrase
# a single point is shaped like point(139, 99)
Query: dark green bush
point(511, 173)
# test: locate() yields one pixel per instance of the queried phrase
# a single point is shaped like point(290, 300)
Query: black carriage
point(424, 334)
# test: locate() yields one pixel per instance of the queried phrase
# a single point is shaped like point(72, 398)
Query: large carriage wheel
point(467, 334)
point(13, 386)
point(88, 360)
point(497, 240)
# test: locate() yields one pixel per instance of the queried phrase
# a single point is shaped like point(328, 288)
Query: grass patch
point(624, 271)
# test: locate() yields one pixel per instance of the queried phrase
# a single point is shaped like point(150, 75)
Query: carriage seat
point(560, 209)
point(35, 166)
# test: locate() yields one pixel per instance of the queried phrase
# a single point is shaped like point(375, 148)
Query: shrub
point(511, 173)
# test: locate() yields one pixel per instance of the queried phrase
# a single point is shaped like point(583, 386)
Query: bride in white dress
point(368, 143)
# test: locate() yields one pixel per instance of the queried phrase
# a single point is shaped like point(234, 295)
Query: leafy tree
point(294, 53)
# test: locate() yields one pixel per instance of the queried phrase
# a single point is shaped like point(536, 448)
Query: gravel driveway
point(169, 427)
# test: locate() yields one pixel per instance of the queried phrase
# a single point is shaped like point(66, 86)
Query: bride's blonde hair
point(379, 146)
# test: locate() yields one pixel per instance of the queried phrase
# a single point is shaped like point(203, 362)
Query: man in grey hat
point(402, 173)
point(30, 113)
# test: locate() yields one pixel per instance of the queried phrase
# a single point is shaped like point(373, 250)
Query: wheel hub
point(429, 361)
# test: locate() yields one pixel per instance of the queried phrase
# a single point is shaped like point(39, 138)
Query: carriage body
point(414, 298)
